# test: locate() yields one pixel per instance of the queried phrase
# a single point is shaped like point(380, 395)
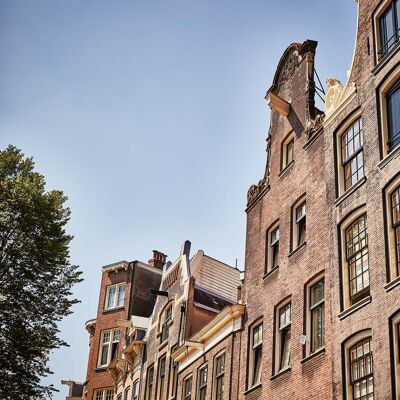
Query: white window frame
point(284, 149)
point(114, 337)
point(296, 220)
point(205, 385)
point(219, 374)
point(270, 247)
point(255, 346)
point(184, 395)
point(116, 296)
point(106, 394)
point(309, 309)
point(278, 336)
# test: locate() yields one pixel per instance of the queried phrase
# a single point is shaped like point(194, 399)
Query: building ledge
point(393, 154)
point(287, 168)
point(100, 369)
point(313, 355)
point(350, 191)
point(111, 310)
point(280, 373)
point(252, 389)
point(392, 284)
point(313, 138)
point(355, 307)
point(297, 249)
point(270, 272)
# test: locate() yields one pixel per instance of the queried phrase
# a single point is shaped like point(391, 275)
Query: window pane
point(317, 292)
point(285, 348)
point(104, 354)
point(396, 206)
point(121, 295)
point(99, 395)
point(110, 394)
point(393, 107)
point(317, 323)
point(257, 366)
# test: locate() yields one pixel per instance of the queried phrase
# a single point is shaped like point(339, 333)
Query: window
point(149, 382)
point(299, 223)
point(287, 151)
point(392, 205)
point(108, 347)
point(272, 248)
point(388, 28)
point(161, 378)
point(202, 379)
point(395, 353)
point(359, 367)
point(357, 259)
point(352, 154)
point(135, 391)
point(119, 397)
point(174, 380)
point(219, 377)
point(126, 393)
point(256, 340)
point(187, 388)
point(104, 394)
point(166, 321)
point(283, 340)
point(393, 116)
point(316, 315)
point(115, 296)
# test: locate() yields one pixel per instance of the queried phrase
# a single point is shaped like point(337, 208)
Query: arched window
point(359, 370)
point(165, 322)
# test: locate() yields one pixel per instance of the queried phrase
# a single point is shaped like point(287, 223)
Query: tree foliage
point(36, 276)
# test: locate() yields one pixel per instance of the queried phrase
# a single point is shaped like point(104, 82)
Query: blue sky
point(150, 116)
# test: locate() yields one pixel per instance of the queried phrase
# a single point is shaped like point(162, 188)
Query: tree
point(36, 276)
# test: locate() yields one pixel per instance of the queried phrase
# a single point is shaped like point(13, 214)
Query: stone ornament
point(336, 95)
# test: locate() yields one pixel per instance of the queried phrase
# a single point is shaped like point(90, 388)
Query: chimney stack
point(159, 259)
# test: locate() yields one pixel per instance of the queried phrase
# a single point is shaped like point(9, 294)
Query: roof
point(210, 300)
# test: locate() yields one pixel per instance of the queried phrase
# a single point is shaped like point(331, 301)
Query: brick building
point(323, 236)
point(318, 315)
point(124, 291)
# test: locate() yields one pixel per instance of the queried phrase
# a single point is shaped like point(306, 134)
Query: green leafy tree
point(36, 276)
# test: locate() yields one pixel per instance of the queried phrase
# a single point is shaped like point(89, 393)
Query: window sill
point(393, 154)
point(100, 369)
point(286, 169)
point(385, 59)
point(252, 388)
point(162, 345)
point(280, 373)
point(392, 284)
point(297, 249)
point(350, 191)
point(111, 310)
point(312, 355)
point(355, 307)
point(269, 273)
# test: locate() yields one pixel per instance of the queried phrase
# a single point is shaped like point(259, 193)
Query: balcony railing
point(389, 44)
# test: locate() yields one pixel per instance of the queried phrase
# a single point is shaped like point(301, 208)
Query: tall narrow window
point(187, 388)
point(299, 222)
point(361, 370)
point(108, 347)
point(256, 341)
point(115, 296)
point(357, 259)
point(395, 353)
point(287, 150)
point(284, 336)
point(202, 379)
point(135, 390)
point(149, 383)
point(174, 381)
point(272, 250)
point(166, 320)
point(219, 377)
point(389, 28)
point(316, 301)
point(161, 378)
point(126, 393)
point(393, 116)
point(352, 154)
point(395, 206)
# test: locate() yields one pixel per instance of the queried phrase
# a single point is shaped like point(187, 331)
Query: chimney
point(159, 259)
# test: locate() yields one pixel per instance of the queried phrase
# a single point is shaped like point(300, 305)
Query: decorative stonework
point(118, 370)
point(337, 96)
point(291, 64)
point(258, 190)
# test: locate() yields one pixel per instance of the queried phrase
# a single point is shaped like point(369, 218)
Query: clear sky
point(150, 116)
